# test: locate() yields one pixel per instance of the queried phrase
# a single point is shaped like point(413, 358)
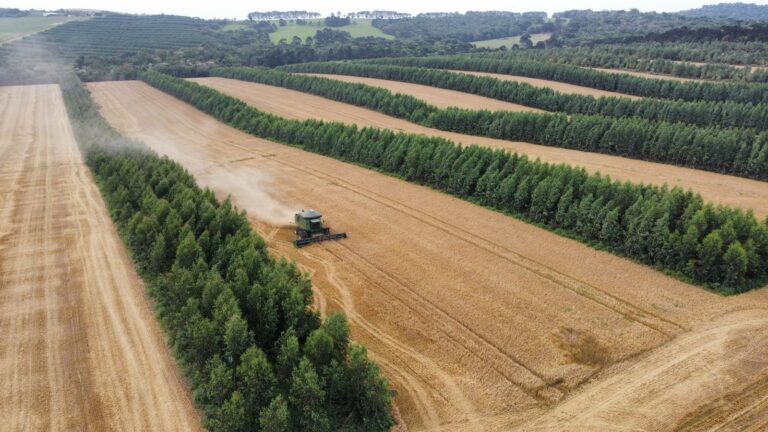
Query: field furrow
point(718, 188)
point(82, 349)
point(479, 320)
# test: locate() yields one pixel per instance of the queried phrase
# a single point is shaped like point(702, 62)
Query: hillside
point(358, 28)
point(734, 11)
point(17, 27)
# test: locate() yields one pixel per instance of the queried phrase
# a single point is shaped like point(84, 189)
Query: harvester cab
point(310, 229)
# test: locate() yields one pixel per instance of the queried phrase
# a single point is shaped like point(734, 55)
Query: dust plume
point(249, 188)
point(31, 60)
point(253, 191)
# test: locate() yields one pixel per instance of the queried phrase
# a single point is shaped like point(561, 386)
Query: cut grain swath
point(445, 327)
point(81, 349)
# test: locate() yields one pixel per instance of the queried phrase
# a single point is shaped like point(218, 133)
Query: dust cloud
point(31, 60)
point(249, 189)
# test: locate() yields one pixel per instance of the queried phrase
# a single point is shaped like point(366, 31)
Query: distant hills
point(735, 11)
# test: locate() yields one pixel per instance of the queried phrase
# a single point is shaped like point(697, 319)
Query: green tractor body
point(310, 229)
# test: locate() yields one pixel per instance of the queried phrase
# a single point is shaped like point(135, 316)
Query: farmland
point(358, 28)
point(554, 85)
point(359, 205)
point(75, 315)
point(734, 191)
point(709, 61)
point(645, 74)
point(511, 41)
point(438, 97)
point(16, 28)
point(108, 35)
point(740, 92)
point(653, 394)
point(572, 236)
point(118, 35)
point(222, 157)
point(633, 138)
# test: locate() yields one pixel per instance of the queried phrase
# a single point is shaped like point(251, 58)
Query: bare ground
point(481, 322)
point(81, 348)
point(718, 188)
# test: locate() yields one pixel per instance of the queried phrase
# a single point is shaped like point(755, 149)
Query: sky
point(239, 8)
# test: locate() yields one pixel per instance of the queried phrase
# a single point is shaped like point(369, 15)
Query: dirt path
point(438, 97)
point(554, 85)
point(81, 348)
point(718, 188)
point(480, 321)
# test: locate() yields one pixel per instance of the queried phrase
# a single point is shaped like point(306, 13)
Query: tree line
point(469, 27)
point(673, 230)
point(13, 13)
point(240, 323)
point(734, 11)
point(252, 47)
point(587, 27)
point(732, 151)
point(743, 53)
point(752, 32)
point(654, 59)
point(691, 91)
point(723, 114)
point(282, 15)
point(737, 53)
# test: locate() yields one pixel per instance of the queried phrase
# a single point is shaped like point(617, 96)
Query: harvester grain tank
point(310, 229)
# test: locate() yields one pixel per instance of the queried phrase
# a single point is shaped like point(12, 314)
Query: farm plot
point(554, 85)
point(509, 42)
point(438, 97)
point(756, 68)
point(720, 369)
point(648, 75)
point(358, 28)
point(723, 189)
point(477, 340)
point(81, 348)
point(12, 29)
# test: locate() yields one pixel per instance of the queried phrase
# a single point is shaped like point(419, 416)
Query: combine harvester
point(310, 229)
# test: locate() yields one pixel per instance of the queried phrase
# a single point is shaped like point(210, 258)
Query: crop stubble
point(438, 97)
point(554, 85)
point(649, 75)
point(81, 347)
point(476, 318)
point(718, 188)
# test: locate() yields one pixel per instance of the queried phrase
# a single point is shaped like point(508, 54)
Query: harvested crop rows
point(648, 75)
point(549, 320)
point(723, 189)
point(438, 97)
point(81, 348)
point(554, 85)
point(721, 369)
